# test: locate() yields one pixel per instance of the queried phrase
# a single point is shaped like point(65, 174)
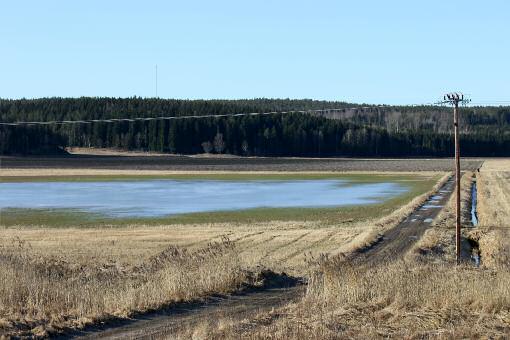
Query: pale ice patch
point(152, 198)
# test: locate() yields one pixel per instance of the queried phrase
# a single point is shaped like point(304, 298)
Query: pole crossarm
point(454, 97)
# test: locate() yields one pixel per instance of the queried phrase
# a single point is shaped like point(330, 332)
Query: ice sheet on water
point(152, 198)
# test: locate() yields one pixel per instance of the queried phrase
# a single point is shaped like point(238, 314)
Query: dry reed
point(40, 294)
point(401, 299)
point(404, 298)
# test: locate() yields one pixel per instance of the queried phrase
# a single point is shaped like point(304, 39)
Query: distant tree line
point(431, 118)
point(373, 132)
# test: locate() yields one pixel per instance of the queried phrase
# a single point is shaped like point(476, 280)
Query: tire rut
point(163, 324)
point(398, 240)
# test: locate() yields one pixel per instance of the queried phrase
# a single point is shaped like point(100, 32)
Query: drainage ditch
point(474, 216)
point(473, 244)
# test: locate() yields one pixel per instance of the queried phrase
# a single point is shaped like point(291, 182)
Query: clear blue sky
point(394, 52)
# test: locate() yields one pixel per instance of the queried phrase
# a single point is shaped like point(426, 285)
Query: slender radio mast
point(156, 80)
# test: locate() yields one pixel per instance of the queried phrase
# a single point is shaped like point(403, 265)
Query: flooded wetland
point(163, 197)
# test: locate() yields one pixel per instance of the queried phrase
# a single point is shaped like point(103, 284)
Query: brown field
point(192, 163)
point(26, 173)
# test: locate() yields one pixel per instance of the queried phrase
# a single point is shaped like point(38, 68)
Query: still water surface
point(154, 198)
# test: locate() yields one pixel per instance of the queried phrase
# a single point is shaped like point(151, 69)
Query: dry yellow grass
point(110, 152)
point(493, 232)
point(53, 278)
point(400, 300)
point(496, 165)
point(278, 245)
point(41, 293)
point(429, 298)
point(494, 194)
point(56, 278)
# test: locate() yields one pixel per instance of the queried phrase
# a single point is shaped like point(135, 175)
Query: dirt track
point(394, 244)
point(185, 163)
point(180, 319)
point(397, 241)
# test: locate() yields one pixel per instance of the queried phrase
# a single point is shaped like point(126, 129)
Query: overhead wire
point(163, 117)
point(135, 119)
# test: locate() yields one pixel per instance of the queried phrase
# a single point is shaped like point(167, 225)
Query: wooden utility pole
point(457, 179)
point(455, 99)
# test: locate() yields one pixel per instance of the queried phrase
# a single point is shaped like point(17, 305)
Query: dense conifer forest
point(387, 131)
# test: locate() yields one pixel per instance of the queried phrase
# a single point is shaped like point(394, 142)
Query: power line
point(135, 119)
point(162, 117)
point(491, 103)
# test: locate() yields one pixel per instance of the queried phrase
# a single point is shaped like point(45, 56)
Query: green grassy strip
point(71, 218)
point(355, 178)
